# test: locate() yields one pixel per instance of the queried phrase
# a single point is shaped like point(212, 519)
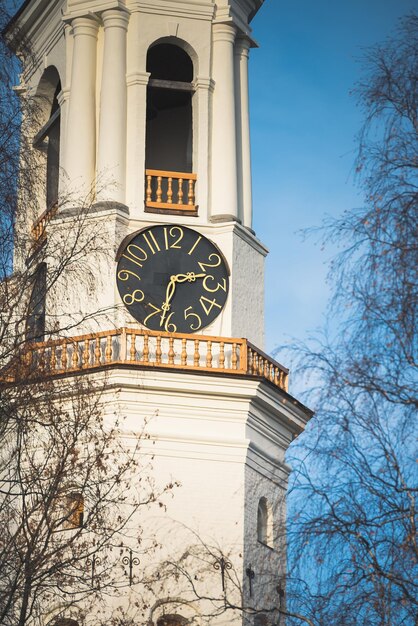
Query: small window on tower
point(265, 522)
point(35, 324)
point(74, 510)
point(172, 620)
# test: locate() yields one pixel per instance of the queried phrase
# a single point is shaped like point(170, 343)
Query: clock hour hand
point(171, 287)
point(189, 277)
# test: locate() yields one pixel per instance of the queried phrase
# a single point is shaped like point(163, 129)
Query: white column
point(201, 125)
point(223, 154)
point(243, 131)
point(81, 125)
point(137, 81)
point(111, 157)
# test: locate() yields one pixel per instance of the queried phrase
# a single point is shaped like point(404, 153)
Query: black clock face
point(172, 278)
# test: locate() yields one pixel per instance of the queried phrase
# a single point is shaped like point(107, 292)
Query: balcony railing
point(147, 349)
point(40, 224)
point(174, 191)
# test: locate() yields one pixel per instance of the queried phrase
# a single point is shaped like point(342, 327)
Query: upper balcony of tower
point(147, 101)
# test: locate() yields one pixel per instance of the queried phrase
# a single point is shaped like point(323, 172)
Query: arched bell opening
point(169, 130)
point(47, 139)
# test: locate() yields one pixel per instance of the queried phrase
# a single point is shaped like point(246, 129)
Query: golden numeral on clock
point(218, 285)
point(195, 244)
point(124, 274)
point(130, 298)
point(150, 235)
point(170, 327)
point(156, 311)
point(133, 256)
point(207, 309)
point(188, 314)
point(213, 264)
point(175, 231)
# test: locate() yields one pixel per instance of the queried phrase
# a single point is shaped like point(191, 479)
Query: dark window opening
point(169, 140)
point(35, 324)
point(264, 522)
point(75, 510)
point(169, 62)
point(53, 154)
point(48, 140)
point(172, 620)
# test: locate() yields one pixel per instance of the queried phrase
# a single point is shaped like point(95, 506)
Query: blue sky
point(303, 127)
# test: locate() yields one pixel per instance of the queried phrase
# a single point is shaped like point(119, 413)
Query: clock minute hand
point(171, 287)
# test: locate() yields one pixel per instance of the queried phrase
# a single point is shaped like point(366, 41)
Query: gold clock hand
point(190, 277)
point(171, 287)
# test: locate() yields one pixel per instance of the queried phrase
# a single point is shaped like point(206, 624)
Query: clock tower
point(143, 134)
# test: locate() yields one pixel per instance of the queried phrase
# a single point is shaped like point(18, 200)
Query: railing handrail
point(267, 356)
point(45, 217)
point(167, 174)
point(221, 355)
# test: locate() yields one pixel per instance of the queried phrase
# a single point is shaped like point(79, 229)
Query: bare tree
point(354, 524)
point(71, 486)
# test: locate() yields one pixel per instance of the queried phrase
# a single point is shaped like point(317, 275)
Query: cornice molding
point(191, 9)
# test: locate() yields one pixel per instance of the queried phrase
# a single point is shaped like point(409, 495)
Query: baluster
point(170, 190)
point(145, 353)
point(180, 192)
point(209, 354)
point(74, 358)
point(28, 357)
point(171, 352)
point(196, 356)
point(254, 362)
point(260, 365)
point(190, 194)
point(234, 359)
point(108, 351)
point(276, 376)
point(97, 352)
point(183, 352)
point(86, 352)
point(158, 351)
point(149, 188)
point(132, 352)
point(222, 355)
point(53, 358)
point(41, 363)
point(123, 345)
point(64, 356)
point(159, 189)
point(250, 360)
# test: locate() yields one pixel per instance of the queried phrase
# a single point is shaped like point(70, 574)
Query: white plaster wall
point(202, 439)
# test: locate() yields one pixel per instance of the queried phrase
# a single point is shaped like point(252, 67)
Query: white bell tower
point(154, 128)
point(145, 122)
